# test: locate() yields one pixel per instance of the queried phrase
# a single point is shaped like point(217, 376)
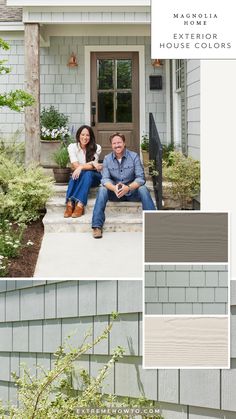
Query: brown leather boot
point(69, 209)
point(78, 211)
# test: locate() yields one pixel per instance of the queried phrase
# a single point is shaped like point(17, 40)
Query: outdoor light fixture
point(157, 63)
point(72, 61)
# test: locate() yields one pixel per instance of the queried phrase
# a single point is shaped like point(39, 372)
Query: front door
point(115, 98)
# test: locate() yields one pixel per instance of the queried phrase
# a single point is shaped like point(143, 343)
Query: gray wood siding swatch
point(177, 342)
point(186, 237)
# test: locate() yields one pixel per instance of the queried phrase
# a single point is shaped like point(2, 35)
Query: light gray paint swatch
point(173, 341)
point(186, 237)
point(186, 289)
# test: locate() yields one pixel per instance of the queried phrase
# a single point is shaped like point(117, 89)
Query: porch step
point(54, 223)
point(56, 205)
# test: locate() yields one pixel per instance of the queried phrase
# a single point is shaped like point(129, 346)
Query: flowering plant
point(55, 133)
point(54, 125)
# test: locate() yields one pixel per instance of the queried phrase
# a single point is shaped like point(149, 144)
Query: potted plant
point(62, 171)
point(182, 178)
point(145, 150)
point(53, 131)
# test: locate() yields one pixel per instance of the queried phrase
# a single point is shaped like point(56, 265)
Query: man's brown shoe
point(97, 233)
point(69, 210)
point(78, 211)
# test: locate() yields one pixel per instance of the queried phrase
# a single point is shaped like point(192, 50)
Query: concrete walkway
point(79, 255)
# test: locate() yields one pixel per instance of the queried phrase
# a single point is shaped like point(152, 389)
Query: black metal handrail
point(155, 157)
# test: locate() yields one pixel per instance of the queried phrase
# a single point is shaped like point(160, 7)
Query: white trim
point(95, 30)
point(85, 3)
point(168, 111)
point(5, 26)
point(135, 48)
point(176, 104)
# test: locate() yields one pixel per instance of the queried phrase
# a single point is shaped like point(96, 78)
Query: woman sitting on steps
point(84, 156)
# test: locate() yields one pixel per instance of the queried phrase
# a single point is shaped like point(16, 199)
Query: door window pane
point(105, 107)
point(105, 74)
point(124, 107)
point(124, 74)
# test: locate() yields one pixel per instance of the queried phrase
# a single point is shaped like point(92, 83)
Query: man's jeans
point(141, 194)
point(78, 189)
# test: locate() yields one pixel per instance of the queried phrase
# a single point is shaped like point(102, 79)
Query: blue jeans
point(141, 194)
point(78, 189)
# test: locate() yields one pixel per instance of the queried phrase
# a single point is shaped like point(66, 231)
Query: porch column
point(32, 82)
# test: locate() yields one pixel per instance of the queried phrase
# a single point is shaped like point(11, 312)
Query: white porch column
point(32, 81)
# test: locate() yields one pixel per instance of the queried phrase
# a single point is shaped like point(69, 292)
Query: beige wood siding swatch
point(182, 342)
point(186, 237)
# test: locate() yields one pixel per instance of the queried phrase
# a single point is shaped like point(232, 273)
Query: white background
point(218, 142)
point(164, 25)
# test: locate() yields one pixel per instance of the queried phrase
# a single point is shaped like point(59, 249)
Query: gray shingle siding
point(188, 289)
point(183, 394)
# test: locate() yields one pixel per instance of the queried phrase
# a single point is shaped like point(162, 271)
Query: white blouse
point(77, 154)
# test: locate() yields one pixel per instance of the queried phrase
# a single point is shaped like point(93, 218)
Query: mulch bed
point(24, 264)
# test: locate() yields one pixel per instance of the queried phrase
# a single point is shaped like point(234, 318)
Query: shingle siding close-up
point(186, 289)
point(36, 316)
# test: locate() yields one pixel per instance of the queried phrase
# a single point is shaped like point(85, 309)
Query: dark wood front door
point(115, 97)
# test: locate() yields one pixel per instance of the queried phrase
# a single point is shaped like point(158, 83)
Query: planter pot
point(61, 174)
point(47, 149)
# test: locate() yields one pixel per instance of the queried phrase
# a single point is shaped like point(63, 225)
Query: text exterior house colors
point(105, 38)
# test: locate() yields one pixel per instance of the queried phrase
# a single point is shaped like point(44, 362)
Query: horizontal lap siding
point(166, 385)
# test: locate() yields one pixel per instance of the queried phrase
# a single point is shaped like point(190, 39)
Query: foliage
point(23, 191)
point(61, 156)
point(166, 150)
point(3, 273)
point(10, 238)
point(145, 143)
point(183, 175)
point(51, 394)
point(13, 148)
point(15, 100)
point(53, 124)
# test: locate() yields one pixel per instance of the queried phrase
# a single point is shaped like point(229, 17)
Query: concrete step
point(54, 223)
point(57, 205)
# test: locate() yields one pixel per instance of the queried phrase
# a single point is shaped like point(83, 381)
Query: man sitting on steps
point(122, 180)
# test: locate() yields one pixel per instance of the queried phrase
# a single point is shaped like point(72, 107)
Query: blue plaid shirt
point(129, 170)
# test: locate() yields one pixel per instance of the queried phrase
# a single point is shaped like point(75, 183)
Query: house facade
point(115, 85)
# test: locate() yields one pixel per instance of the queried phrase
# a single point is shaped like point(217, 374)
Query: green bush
point(23, 191)
point(145, 143)
point(61, 157)
point(15, 100)
point(51, 394)
point(3, 266)
point(10, 238)
point(12, 147)
point(183, 175)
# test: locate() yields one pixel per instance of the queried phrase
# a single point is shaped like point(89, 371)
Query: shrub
point(61, 156)
point(13, 148)
point(15, 100)
point(24, 191)
point(51, 394)
point(10, 238)
point(3, 266)
point(145, 143)
point(183, 175)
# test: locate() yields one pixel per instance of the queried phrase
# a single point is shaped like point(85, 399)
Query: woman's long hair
point(91, 147)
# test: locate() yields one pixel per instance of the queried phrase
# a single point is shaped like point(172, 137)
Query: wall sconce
point(157, 63)
point(72, 61)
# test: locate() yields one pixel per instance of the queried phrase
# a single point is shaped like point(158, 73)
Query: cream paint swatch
point(186, 342)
